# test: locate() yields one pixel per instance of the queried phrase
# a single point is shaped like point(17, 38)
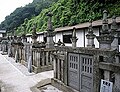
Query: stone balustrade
point(41, 59)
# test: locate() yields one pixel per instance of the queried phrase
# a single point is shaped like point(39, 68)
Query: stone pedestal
point(105, 41)
point(50, 43)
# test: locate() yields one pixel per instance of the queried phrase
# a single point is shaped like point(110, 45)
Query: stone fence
point(81, 69)
point(34, 56)
point(41, 59)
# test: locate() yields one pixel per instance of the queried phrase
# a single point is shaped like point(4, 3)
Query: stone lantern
point(90, 37)
point(50, 33)
point(105, 39)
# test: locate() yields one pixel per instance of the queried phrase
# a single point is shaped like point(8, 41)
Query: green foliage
point(67, 13)
point(70, 12)
point(16, 18)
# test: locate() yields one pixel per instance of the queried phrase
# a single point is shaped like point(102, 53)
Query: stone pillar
point(90, 37)
point(58, 69)
point(9, 47)
point(43, 58)
point(117, 82)
point(55, 68)
point(34, 35)
point(47, 57)
point(28, 55)
point(17, 44)
point(106, 75)
point(105, 39)
point(16, 55)
point(114, 32)
point(30, 63)
point(34, 41)
point(74, 38)
point(50, 33)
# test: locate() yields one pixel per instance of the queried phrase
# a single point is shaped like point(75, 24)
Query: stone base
point(42, 68)
point(61, 86)
point(24, 63)
point(4, 53)
point(40, 84)
point(54, 82)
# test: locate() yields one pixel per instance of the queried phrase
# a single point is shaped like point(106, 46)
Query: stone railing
point(41, 59)
point(0, 46)
point(24, 53)
point(70, 62)
point(13, 49)
point(59, 64)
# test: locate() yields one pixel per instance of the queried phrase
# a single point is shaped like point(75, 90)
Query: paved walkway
point(14, 77)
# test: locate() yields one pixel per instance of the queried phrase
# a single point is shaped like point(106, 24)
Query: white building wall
point(29, 39)
point(54, 38)
point(58, 36)
point(96, 32)
point(67, 33)
point(1, 35)
point(86, 32)
point(80, 36)
point(40, 38)
point(68, 44)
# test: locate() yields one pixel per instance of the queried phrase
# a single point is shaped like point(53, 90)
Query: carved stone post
point(90, 37)
point(18, 40)
point(74, 38)
point(34, 41)
point(10, 47)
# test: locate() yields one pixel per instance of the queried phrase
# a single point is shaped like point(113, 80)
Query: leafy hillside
point(16, 18)
point(71, 12)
